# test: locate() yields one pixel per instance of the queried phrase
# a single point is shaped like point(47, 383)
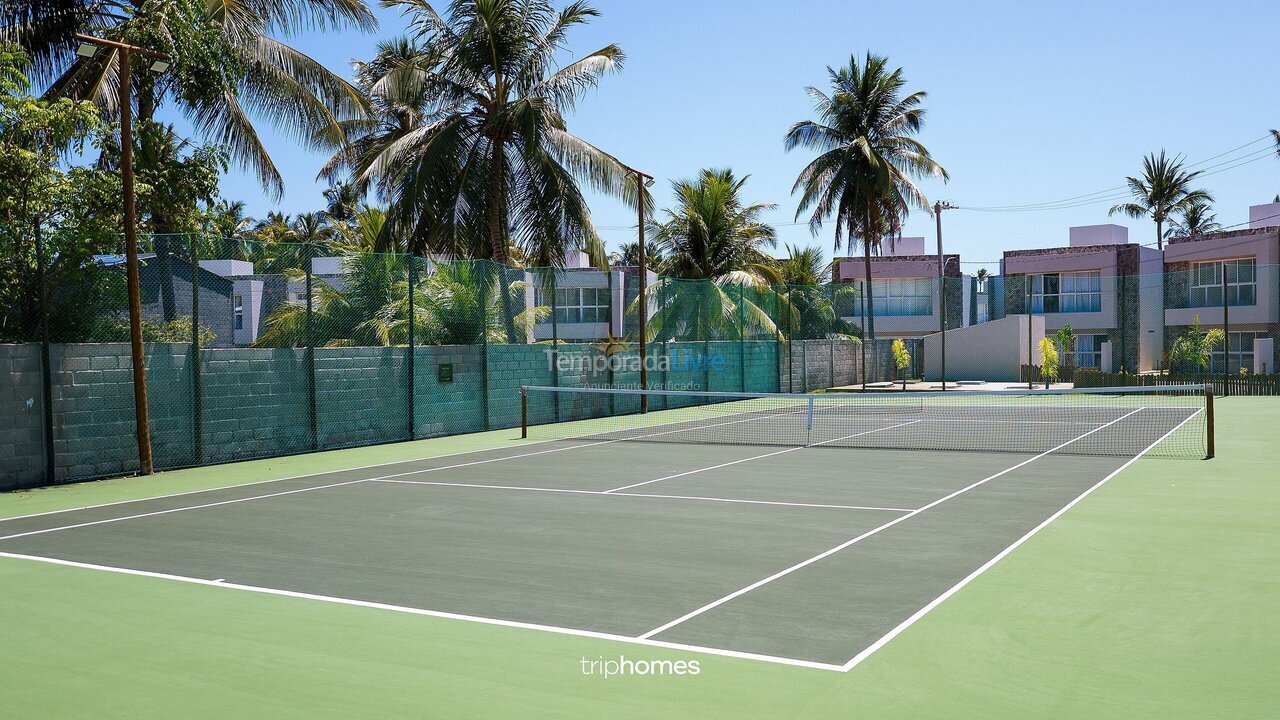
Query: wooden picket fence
point(1230, 385)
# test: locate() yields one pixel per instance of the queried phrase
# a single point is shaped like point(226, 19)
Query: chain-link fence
point(258, 349)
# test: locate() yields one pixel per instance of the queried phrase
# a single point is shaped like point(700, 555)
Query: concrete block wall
point(362, 395)
point(450, 407)
point(256, 403)
point(21, 417)
point(807, 365)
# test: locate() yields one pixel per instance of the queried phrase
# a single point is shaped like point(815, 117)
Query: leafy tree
point(73, 210)
point(901, 359)
point(1196, 219)
point(868, 158)
point(1164, 189)
point(227, 68)
point(1048, 361)
point(468, 143)
point(1194, 349)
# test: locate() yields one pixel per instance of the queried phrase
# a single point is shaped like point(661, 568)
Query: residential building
point(904, 289)
point(586, 303)
point(1107, 289)
point(1242, 266)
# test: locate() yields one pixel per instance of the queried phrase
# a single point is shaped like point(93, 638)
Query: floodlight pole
point(938, 207)
point(644, 271)
point(125, 101)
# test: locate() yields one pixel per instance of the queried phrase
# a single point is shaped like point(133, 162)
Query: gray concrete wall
point(988, 351)
point(21, 417)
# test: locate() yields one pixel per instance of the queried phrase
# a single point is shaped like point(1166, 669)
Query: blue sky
point(1029, 102)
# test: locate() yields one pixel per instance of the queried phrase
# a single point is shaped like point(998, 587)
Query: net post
point(1208, 419)
point(524, 412)
point(808, 421)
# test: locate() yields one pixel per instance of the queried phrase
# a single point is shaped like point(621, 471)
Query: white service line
point(322, 473)
point(758, 457)
point(865, 535)
point(999, 556)
point(645, 495)
point(519, 443)
point(291, 492)
point(436, 613)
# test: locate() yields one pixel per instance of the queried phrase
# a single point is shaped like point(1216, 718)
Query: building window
point(1066, 292)
point(578, 305)
point(1088, 352)
point(1240, 352)
point(237, 308)
point(895, 297)
point(1242, 282)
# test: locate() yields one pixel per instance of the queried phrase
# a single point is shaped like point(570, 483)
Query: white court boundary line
point(434, 613)
point(422, 471)
point(758, 457)
point(517, 443)
point(642, 640)
point(884, 640)
point(805, 563)
point(607, 493)
point(288, 492)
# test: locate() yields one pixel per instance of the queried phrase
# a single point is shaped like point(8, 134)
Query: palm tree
point(813, 303)
point(455, 304)
point(313, 228)
point(869, 159)
point(805, 266)
point(227, 69)
point(361, 313)
point(342, 201)
point(713, 237)
point(469, 144)
point(1197, 219)
point(1163, 189)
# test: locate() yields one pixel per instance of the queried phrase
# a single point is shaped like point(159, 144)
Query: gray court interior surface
point(623, 563)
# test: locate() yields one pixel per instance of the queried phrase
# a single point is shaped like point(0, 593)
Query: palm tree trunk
point(498, 234)
point(870, 329)
point(1160, 233)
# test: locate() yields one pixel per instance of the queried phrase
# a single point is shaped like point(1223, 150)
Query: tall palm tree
point(1164, 189)
point(713, 237)
point(227, 68)
point(469, 145)
point(869, 159)
point(1195, 220)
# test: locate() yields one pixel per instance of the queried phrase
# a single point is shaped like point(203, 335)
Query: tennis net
point(1175, 419)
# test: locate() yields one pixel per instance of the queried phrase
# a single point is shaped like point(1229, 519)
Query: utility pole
point(642, 181)
point(938, 207)
point(89, 48)
point(1030, 385)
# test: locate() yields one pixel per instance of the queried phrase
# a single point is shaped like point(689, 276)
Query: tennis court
point(806, 530)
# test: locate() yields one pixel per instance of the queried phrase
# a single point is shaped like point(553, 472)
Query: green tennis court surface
point(534, 554)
